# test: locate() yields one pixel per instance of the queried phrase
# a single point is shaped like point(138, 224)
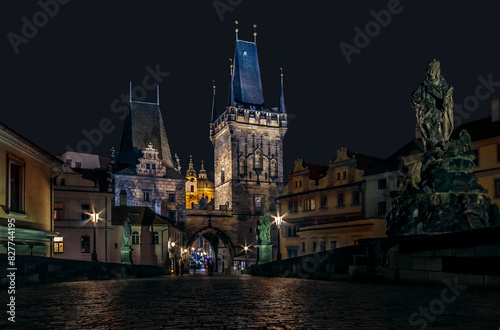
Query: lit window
point(58, 245)
point(58, 211)
point(16, 185)
point(156, 238)
point(309, 204)
point(222, 176)
point(135, 237)
point(382, 183)
point(85, 244)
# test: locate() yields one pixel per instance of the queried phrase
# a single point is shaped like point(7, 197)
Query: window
point(344, 175)
point(145, 196)
point(258, 204)
point(58, 211)
point(291, 231)
point(314, 247)
point(309, 204)
point(293, 206)
point(192, 188)
point(135, 237)
point(58, 245)
point(85, 244)
point(322, 246)
point(382, 208)
point(333, 245)
point(498, 153)
point(292, 252)
point(16, 185)
point(355, 197)
point(382, 183)
point(63, 182)
point(497, 188)
point(148, 166)
point(156, 238)
point(340, 200)
point(78, 164)
point(303, 247)
point(171, 197)
point(323, 202)
point(476, 153)
point(85, 215)
point(153, 166)
point(338, 176)
point(68, 162)
point(222, 176)
point(265, 176)
point(171, 215)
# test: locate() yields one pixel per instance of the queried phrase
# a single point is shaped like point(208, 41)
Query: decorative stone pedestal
point(265, 253)
point(126, 254)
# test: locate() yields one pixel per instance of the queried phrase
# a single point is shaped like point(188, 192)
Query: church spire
point(214, 107)
point(282, 96)
point(190, 173)
point(231, 89)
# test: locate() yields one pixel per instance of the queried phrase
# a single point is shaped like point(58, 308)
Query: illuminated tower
point(248, 141)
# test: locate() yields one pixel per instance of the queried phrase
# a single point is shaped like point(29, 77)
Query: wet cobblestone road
point(255, 302)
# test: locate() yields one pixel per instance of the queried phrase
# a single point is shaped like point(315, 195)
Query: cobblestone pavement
point(243, 301)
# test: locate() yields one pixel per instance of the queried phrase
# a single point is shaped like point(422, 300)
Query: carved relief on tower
point(150, 164)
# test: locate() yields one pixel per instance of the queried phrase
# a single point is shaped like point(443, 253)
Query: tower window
point(258, 204)
point(192, 188)
point(222, 176)
point(146, 196)
point(171, 198)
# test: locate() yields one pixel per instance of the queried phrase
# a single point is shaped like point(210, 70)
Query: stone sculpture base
point(440, 194)
point(265, 253)
point(126, 255)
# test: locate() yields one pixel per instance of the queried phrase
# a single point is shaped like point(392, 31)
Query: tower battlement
point(248, 116)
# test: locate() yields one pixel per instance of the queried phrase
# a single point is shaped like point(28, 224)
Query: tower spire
point(255, 33)
point(282, 96)
point(236, 29)
point(214, 108)
point(231, 83)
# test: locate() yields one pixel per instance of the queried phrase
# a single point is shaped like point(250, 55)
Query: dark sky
point(66, 77)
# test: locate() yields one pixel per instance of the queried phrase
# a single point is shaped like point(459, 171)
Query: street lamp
point(246, 255)
point(95, 218)
point(279, 220)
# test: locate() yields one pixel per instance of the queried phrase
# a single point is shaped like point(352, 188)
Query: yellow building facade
point(198, 188)
point(322, 206)
point(26, 197)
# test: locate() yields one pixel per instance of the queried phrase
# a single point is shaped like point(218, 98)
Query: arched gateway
point(221, 245)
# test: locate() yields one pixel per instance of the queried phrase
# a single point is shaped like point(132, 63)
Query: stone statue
point(264, 230)
point(127, 231)
point(433, 102)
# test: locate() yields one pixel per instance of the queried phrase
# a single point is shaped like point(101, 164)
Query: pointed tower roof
point(190, 173)
point(282, 96)
point(214, 107)
point(246, 81)
point(144, 125)
point(230, 101)
point(203, 173)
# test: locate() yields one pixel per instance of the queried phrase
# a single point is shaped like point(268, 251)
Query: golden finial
point(236, 29)
point(281, 69)
point(255, 33)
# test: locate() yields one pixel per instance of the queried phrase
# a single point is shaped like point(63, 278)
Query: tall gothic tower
point(248, 141)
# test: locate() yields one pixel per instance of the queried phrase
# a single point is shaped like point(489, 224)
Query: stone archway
point(210, 233)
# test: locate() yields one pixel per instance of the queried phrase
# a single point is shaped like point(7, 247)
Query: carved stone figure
point(433, 102)
point(264, 230)
point(127, 231)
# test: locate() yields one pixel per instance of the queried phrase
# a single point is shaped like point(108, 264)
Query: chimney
point(495, 110)
point(417, 131)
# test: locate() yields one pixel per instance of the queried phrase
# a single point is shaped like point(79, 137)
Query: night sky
point(67, 76)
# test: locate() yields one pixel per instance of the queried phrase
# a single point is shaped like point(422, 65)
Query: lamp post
point(279, 220)
point(246, 256)
point(95, 218)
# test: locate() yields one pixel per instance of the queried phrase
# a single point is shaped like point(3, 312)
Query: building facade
point(199, 190)
point(323, 206)
point(26, 195)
